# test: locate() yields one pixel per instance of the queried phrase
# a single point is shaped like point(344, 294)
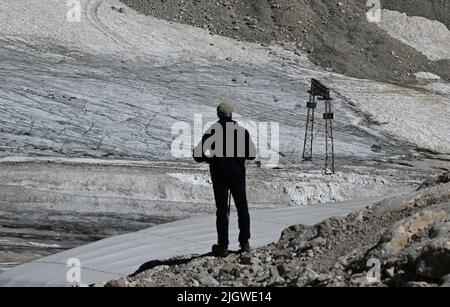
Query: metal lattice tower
point(329, 143)
point(319, 92)
point(309, 133)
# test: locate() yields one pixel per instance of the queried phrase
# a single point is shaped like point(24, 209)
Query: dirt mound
point(402, 241)
point(335, 34)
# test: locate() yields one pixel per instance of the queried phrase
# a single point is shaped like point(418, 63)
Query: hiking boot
point(220, 250)
point(245, 247)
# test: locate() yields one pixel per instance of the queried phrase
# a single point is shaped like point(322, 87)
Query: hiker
point(225, 147)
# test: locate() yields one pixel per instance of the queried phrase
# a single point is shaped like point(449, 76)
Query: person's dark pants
point(238, 191)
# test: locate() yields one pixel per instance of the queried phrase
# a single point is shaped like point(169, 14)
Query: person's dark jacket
point(227, 166)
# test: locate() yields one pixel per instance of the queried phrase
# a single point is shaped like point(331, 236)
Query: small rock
point(359, 280)
point(246, 259)
point(208, 281)
point(390, 272)
point(284, 253)
point(228, 268)
point(434, 260)
point(282, 269)
point(446, 281)
point(306, 277)
point(274, 275)
point(118, 283)
point(319, 241)
point(439, 230)
point(418, 284)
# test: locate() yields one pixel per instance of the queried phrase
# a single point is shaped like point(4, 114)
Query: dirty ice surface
point(113, 85)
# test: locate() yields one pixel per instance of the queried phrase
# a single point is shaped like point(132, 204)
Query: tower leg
point(329, 143)
point(309, 132)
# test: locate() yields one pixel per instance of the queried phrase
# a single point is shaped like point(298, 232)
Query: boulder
point(433, 262)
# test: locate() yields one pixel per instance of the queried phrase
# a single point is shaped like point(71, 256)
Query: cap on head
point(225, 110)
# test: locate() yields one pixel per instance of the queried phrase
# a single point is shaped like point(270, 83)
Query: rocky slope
point(334, 33)
point(402, 241)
